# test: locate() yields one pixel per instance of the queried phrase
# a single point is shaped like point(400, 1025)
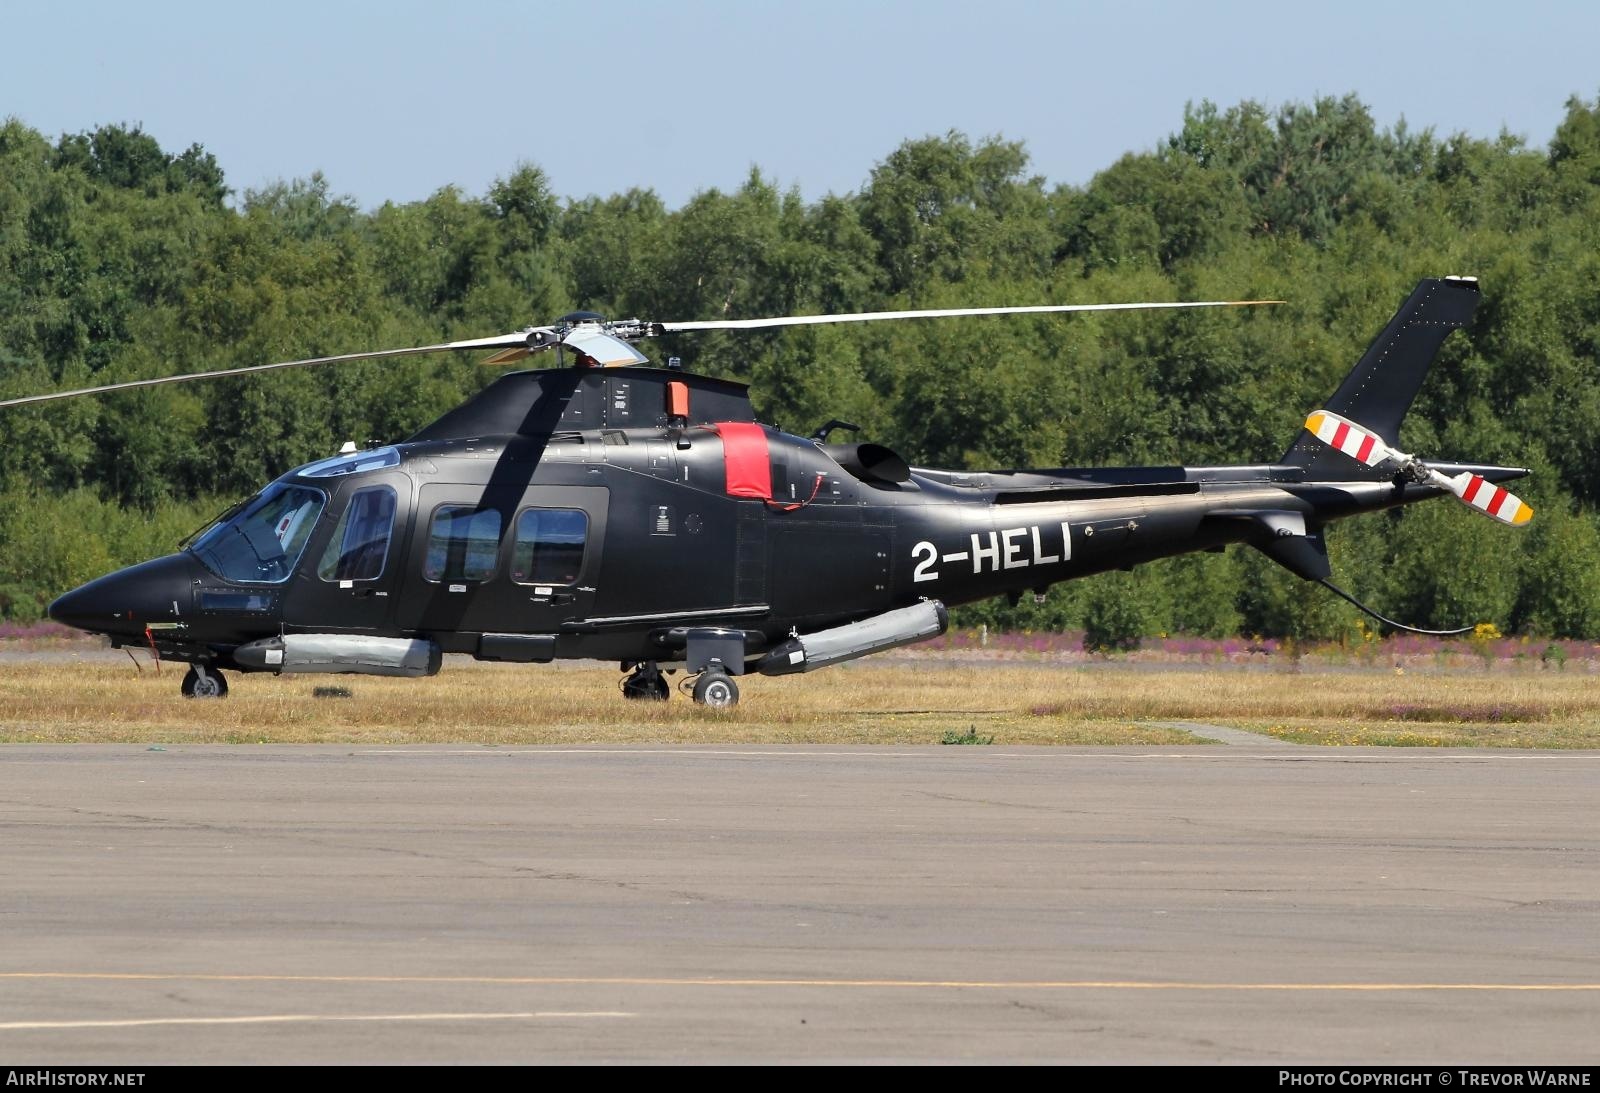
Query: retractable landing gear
point(716, 688)
point(202, 682)
point(645, 683)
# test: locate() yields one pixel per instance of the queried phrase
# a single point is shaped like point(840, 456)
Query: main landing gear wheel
point(717, 690)
point(646, 683)
point(201, 682)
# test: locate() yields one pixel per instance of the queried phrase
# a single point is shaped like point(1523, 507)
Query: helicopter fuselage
point(612, 543)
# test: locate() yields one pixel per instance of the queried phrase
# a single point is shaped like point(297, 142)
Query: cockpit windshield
point(261, 542)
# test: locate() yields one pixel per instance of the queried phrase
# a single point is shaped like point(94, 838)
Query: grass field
point(914, 701)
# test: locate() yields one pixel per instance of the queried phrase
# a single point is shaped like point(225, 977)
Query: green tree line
point(122, 260)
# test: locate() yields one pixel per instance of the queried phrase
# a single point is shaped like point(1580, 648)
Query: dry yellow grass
point(498, 704)
point(905, 702)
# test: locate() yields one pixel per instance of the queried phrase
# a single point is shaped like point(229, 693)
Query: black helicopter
point(610, 511)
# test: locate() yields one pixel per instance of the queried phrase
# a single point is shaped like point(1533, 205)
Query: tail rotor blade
point(1485, 496)
point(1346, 436)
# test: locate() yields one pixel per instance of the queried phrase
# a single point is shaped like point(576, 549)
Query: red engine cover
point(744, 449)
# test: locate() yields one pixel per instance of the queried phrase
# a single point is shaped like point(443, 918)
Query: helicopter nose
point(70, 609)
point(128, 600)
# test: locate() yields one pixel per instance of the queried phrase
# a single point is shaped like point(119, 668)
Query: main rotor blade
point(502, 341)
point(936, 313)
point(508, 356)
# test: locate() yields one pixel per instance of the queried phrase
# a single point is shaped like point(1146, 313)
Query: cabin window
point(261, 542)
point(548, 548)
point(360, 543)
point(463, 544)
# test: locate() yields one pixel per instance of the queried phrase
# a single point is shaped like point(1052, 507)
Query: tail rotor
point(1369, 449)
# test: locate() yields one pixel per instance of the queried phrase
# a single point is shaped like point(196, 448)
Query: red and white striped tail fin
point(1346, 436)
point(1486, 497)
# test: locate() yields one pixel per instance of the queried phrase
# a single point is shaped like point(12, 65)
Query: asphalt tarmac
point(274, 904)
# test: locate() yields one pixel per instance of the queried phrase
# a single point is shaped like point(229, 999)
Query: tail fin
point(1380, 389)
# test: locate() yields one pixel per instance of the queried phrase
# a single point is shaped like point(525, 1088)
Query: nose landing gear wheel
point(717, 690)
point(201, 682)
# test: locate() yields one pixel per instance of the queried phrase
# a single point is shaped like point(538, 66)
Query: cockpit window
point(355, 463)
point(360, 543)
point(261, 543)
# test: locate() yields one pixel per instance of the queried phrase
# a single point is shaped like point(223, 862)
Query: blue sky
point(393, 100)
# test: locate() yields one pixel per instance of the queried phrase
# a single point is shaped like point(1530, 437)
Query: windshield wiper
point(227, 514)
